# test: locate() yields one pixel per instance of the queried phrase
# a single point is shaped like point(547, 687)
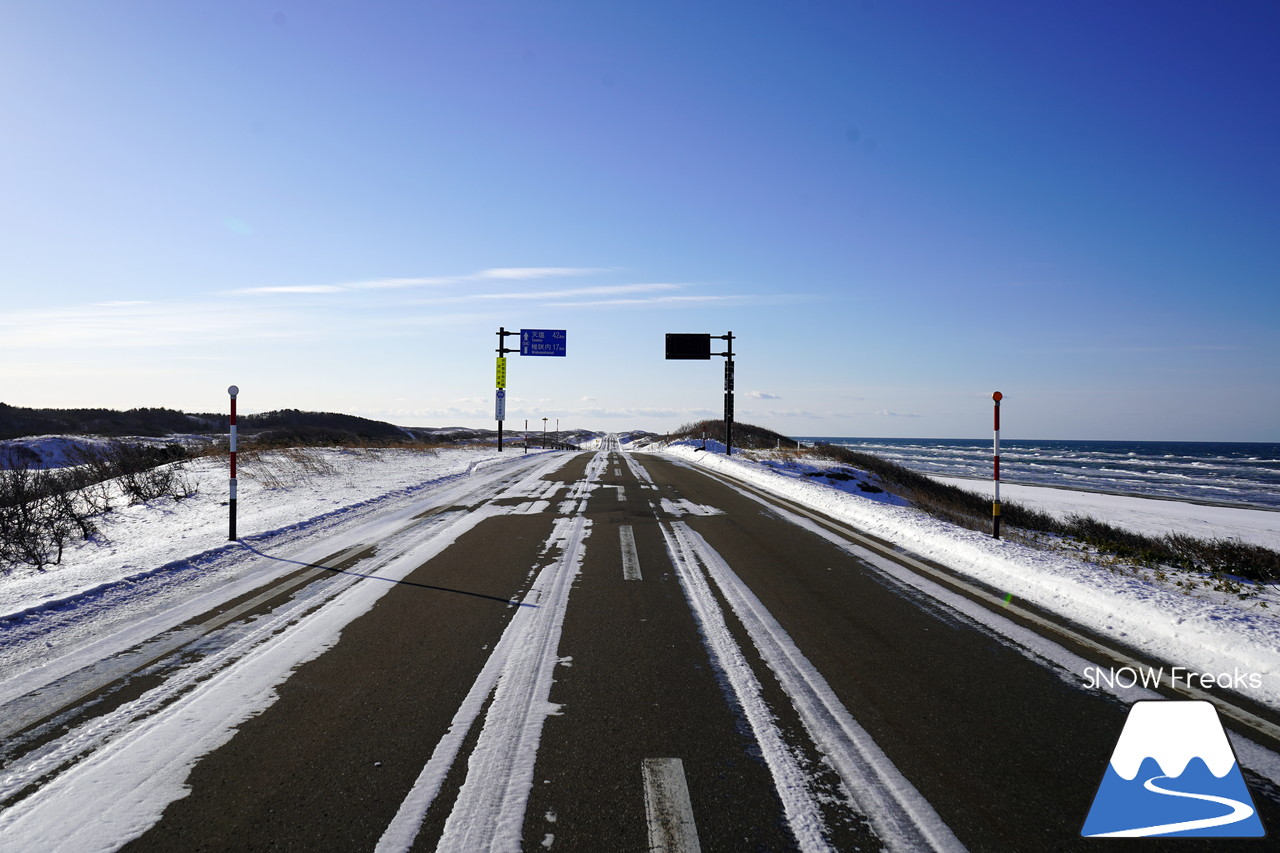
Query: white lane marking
point(798, 801)
point(667, 806)
point(630, 559)
point(900, 815)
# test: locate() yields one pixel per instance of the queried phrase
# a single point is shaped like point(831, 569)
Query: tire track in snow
point(489, 811)
point(902, 818)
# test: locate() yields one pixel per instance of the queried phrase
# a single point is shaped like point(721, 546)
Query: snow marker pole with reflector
point(233, 391)
point(995, 504)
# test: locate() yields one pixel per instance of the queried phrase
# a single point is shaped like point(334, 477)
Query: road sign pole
point(698, 347)
point(231, 504)
point(995, 504)
point(728, 397)
point(500, 403)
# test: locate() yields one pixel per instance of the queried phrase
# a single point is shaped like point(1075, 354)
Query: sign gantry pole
point(546, 342)
point(995, 504)
point(500, 395)
point(234, 392)
point(728, 395)
point(697, 347)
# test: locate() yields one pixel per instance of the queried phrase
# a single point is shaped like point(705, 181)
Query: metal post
point(728, 397)
point(544, 433)
point(995, 504)
point(500, 407)
point(557, 439)
point(234, 392)
point(526, 436)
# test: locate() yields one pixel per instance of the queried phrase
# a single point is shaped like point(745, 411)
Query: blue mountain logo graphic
point(1173, 774)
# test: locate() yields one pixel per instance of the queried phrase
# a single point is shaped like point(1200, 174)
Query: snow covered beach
point(1153, 516)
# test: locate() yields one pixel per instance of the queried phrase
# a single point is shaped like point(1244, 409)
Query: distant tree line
point(17, 422)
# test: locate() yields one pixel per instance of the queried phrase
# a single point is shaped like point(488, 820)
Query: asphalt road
point(623, 653)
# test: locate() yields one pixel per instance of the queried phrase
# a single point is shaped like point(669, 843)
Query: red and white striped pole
point(233, 391)
point(995, 504)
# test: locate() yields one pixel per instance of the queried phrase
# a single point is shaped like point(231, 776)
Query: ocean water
point(1228, 472)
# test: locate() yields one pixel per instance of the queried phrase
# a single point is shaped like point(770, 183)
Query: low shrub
point(41, 511)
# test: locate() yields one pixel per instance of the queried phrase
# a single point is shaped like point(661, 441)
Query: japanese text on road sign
point(542, 342)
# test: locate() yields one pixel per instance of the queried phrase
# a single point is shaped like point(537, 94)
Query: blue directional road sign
point(542, 341)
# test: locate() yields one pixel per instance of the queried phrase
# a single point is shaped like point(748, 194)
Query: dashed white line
point(630, 559)
point(667, 806)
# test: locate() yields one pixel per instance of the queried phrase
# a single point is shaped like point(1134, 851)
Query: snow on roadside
point(1207, 632)
point(277, 490)
point(1150, 516)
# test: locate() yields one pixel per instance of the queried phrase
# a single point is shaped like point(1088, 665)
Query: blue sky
point(897, 208)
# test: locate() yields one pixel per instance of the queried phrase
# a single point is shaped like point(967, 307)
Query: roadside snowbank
point(277, 490)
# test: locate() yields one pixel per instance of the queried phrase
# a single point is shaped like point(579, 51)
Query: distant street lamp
point(544, 433)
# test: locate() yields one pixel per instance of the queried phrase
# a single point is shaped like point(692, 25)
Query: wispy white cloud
point(400, 283)
point(1106, 350)
point(142, 324)
point(628, 413)
point(428, 319)
point(536, 272)
point(668, 301)
point(295, 288)
point(885, 413)
point(543, 295)
point(795, 413)
point(498, 273)
point(762, 395)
